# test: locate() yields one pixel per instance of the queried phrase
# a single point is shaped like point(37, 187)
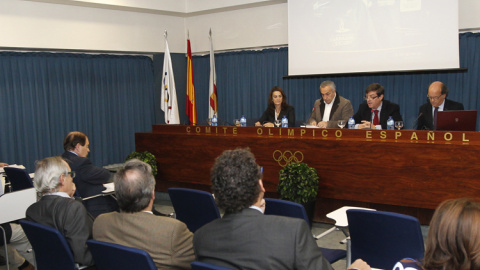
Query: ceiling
point(179, 8)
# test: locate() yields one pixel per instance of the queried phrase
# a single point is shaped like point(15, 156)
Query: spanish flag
point(191, 102)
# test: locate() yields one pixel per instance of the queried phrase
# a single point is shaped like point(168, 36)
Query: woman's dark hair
point(271, 106)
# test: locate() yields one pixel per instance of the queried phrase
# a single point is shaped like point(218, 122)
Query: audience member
point(167, 240)
point(245, 238)
point(453, 240)
point(56, 208)
point(437, 96)
point(2, 164)
point(276, 109)
point(18, 246)
point(89, 178)
point(375, 110)
point(330, 108)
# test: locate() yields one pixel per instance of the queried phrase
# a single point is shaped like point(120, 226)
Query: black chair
point(108, 256)
point(196, 265)
point(296, 210)
point(19, 178)
point(52, 251)
point(384, 238)
point(193, 207)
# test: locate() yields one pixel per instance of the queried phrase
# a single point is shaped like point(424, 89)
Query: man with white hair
point(58, 209)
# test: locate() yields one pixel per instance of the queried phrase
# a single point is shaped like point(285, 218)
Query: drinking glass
point(341, 123)
point(399, 124)
point(236, 122)
point(278, 122)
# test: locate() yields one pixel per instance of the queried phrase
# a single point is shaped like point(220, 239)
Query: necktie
point(435, 118)
point(375, 117)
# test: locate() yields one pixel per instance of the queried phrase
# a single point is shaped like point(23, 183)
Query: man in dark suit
point(375, 110)
point(89, 178)
point(330, 108)
point(437, 96)
point(57, 209)
point(245, 238)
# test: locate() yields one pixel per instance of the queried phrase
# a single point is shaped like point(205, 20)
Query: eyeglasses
point(434, 98)
point(72, 173)
point(370, 98)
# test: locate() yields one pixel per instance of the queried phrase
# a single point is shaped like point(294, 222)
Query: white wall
point(245, 28)
point(52, 26)
point(41, 25)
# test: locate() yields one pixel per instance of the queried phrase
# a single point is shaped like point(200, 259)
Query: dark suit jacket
point(69, 217)
point(388, 109)
point(251, 240)
point(89, 179)
point(425, 115)
point(341, 109)
point(270, 117)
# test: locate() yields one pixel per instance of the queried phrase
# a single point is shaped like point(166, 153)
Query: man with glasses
point(58, 209)
point(90, 178)
point(375, 110)
point(330, 108)
point(437, 96)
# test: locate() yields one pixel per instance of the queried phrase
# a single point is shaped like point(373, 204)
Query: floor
point(331, 240)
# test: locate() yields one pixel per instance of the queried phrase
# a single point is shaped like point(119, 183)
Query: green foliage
point(146, 157)
point(298, 183)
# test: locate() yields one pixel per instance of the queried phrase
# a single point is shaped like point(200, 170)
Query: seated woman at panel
point(453, 240)
point(277, 108)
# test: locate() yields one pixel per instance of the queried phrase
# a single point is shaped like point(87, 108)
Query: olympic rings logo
point(286, 157)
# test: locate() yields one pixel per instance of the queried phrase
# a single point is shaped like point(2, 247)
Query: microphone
point(416, 122)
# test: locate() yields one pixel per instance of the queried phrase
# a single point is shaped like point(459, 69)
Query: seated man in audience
point(167, 240)
point(437, 96)
point(89, 178)
point(330, 108)
point(375, 111)
point(245, 238)
point(58, 209)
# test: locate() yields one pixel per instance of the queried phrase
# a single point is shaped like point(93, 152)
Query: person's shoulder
point(389, 104)
point(452, 103)
point(424, 106)
point(343, 100)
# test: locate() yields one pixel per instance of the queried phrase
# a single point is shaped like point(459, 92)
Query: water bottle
point(285, 121)
point(390, 123)
point(351, 123)
point(214, 120)
point(243, 121)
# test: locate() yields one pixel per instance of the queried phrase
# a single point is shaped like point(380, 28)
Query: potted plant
point(298, 183)
point(146, 157)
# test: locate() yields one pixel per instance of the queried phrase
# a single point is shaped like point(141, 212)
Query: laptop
point(457, 120)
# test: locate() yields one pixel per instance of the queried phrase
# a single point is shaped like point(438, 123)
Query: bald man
point(437, 96)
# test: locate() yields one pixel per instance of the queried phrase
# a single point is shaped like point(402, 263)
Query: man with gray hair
point(167, 240)
point(56, 208)
point(330, 108)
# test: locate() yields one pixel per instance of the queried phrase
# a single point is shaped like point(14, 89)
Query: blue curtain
point(245, 78)
point(43, 96)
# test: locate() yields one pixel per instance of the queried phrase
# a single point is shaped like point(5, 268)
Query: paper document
point(110, 187)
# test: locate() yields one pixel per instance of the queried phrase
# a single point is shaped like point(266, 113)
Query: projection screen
point(349, 36)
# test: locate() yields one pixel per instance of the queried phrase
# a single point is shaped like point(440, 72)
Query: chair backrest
point(196, 265)
point(109, 256)
point(19, 178)
point(384, 238)
point(193, 207)
point(285, 208)
point(52, 251)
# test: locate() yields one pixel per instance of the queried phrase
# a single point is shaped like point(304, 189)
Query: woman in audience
point(453, 240)
point(277, 108)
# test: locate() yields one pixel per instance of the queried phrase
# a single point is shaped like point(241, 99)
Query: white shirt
point(256, 208)
point(328, 109)
point(59, 193)
point(440, 108)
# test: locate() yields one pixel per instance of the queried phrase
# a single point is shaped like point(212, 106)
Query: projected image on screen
point(345, 36)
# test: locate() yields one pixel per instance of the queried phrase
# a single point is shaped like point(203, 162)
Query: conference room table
point(404, 171)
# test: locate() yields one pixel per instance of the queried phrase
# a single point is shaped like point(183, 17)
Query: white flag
point(212, 89)
point(168, 102)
